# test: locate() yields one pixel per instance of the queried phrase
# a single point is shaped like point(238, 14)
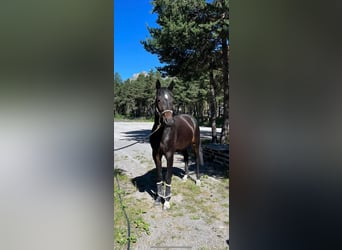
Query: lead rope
point(124, 211)
point(117, 179)
point(118, 183)
point(140, 141)
point(144, 139)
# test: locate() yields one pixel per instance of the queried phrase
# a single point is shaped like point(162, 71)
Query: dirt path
point(198, 217)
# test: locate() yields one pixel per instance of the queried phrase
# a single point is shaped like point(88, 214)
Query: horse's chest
point(172, 142)
point(167, 142)
point(166, 145)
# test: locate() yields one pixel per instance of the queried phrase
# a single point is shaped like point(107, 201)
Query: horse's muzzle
point(168, 117)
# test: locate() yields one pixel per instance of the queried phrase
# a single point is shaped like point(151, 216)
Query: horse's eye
point(158, 100)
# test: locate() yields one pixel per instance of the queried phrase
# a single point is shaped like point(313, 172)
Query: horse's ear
point(157, 84)
point(172, 84)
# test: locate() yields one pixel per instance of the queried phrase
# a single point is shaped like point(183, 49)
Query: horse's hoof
point(198, 182)
point(185, 177)
point(166, 205)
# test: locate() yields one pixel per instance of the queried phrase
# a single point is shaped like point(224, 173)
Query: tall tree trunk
point(225, 126)
point(139, 110)
point(219, 109)
point(212, 107)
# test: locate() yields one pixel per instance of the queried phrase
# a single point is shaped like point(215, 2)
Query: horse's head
point(164, 103)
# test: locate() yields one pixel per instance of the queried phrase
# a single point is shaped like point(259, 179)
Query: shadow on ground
point(147, 181)
point(142, 134)
point(137, 135)
point(210, 169)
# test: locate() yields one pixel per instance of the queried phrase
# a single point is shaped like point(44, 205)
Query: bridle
point(160, 114)
point(154, 131)
point(163, 112)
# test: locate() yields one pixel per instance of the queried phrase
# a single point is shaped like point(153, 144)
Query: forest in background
point(192, 41)
point(134, 98)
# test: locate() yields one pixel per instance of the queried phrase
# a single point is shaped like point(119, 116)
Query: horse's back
point(188, 120)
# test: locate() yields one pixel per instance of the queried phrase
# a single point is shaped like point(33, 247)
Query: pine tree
point(192, 40)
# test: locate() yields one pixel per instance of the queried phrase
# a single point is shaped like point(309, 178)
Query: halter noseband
point(163, 112)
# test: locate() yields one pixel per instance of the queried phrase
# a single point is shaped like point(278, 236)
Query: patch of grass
point(121, 237)
point(209, 220)
point(190, 208)
point(216, 199)
point(207, 201)
point(222, 188)
point(226, 205)
point(188, 189)
point(118, 117)
point(195, 217)
point(135, 210)
point(226, 181)
point(207, 208)
point(142, 225)
point(118, 157)
point(204, 176)
point(178, 214)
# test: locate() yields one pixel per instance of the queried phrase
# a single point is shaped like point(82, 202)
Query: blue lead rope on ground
point(124, 211)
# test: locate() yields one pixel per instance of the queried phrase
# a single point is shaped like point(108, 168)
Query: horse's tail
point(200, 155)
point(200, 150)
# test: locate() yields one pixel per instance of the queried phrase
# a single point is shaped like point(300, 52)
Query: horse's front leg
point(167, 197)
point(157, 160)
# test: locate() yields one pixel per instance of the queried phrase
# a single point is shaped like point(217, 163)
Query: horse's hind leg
point(199, 160)
point(186, 162)
point(167, 197)
point(157, 161)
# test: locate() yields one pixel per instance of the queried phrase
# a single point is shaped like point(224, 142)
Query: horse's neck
point(156, 119)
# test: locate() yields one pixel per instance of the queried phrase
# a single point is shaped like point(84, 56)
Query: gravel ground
point(170, 230)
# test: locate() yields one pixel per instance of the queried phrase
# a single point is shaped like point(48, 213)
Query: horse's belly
point(183, 143)
point(177, 145)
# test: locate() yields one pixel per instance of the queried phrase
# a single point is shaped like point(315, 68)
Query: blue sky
point(130, 20)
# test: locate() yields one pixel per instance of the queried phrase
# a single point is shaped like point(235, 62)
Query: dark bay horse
point(172, 134)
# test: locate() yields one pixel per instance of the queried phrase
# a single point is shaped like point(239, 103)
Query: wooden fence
point(217, 154)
